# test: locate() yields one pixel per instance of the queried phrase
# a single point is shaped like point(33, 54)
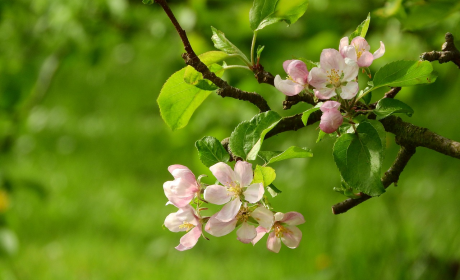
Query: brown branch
point(391, 176)
point(448, 52)
point(293, 123)
point(392, 93)
point(262, 76)
point(193, 60)
point(293, 100)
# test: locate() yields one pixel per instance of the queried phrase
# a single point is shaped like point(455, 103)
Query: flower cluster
point(336, 76)
point(243, 208)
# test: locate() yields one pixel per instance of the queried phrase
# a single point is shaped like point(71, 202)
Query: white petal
point(246, 233)
point(350, 71)
point(189, 240)
point(217, 194)
point(287, 87)
point(218, 228)
point(229, 211)
point(264, 217)
point(254, 192)
point(331, 59)
point(350, 90)
point(273, 243)
point(325, 93)
point(244, 171)
point(378, 53)
point(260, 233)
point(293, 218)
point(279, 216)
point(173, 223)
point(350, 52)
point(223, 173)
point(292, 238)
point(343, 44)
point(318, 78)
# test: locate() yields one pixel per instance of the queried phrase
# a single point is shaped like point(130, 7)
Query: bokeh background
point(84, 151)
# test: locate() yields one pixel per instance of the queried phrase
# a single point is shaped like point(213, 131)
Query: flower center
point(187, 226)
point(334, 77)
point(359, 51)
point(280, 230)
point(236, 189)
point(243, 214)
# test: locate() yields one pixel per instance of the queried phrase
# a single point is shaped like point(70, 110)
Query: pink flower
point(331, 119)
point(284, 229)
point(358, 51)
point(183, 189)
point(237, 186)
point(247, 232)
point(335, 75)
point(185, 219)
point(297, 80)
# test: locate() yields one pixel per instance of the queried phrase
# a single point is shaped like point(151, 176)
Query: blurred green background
point(84, 152)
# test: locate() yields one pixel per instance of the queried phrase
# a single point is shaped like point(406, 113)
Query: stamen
point(187, 226)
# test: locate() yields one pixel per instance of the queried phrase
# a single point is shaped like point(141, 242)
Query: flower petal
point(254, 192)
point(273, 243)
point(350, 70)
point(260, 233)
point(224, 173)
point(189, 240)
point(293, 218)
point(325, 93)
point(177, 200)
point(173, 223)
point(286, 64)
point(365, 60)
point(244, 171)
point(360, 44)
point(218, 228)
point(349, 52)
point(343, 44)
point(318, 78)
point(350, 90)
point(246, 233)
point(181, 171)
point(264, 217)
point(329, 106)
point(331, 59)
point(298, 71)
point(292, 237)
point(287, 87)
point(229, 211)
point(217, 194)
point(174, 220)
point(378, 53)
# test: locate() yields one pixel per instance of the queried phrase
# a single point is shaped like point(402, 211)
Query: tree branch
point(193, 60)
point(448, 52)
point(293, 100)
point(391, 176)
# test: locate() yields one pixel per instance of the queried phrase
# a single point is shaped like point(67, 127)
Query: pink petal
point(293, 218)
point(350, 90)
point(331, 59)
point(229, 211)
point(350, 70)
point(180, 171)
point(223, 173)
point(342, 45)
point(260, 233)
point(329, 106)
point(365, 60)
point(349, 52)
point(264, 217)
point(244, 171)
point(330, 121)
point(218, 228)
point(273, 243)
point(287, 87)
point(177, 200)
point(298, 71)
point(318, 78)
point(174, 220)
point(292, 238)
point(217, 194)
point(172, 223)
point(286, 64)
point(189, 240)
point(378, 53)
point(246, 233)
point(360, 43)
point(254, 192)
point(325, 93)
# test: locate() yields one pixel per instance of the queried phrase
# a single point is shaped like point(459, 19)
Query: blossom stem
point(253, 44)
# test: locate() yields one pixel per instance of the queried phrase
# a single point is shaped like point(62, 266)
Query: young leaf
point(274, 191)
point(264, 174)
point(291, 152)
point(247, 138)
point(204, 84)
point(404, 73)
point(307, 113)
point(211, 151)
point(223, 44)
point(179, 100)
point(285, 10)
point(321, 135)
point(361, 30)
point(194, 77)
point(259, 51)
point(389, 106)
point(359, 158)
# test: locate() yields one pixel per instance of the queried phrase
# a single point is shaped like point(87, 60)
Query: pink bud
point(330, 106)
point(331, 121)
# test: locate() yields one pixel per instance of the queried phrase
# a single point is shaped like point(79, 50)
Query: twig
point(392, 93)
point(292, 100)
point(192, 59)
point(448, 52)
point(391, 176)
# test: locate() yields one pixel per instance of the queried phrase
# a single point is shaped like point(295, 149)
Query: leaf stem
point(254, 37)
point(237, 66)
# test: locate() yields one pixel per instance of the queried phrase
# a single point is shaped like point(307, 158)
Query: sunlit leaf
point(291, 152)
point(211, 151)
point(389, 106)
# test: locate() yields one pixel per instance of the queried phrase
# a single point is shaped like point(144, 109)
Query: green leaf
point(195, 78)
point(389, 106)
point(307, 113)
point(361, 30)
point(179, 100)
point(404, 73)
point(291, 152)
point(211, 151)
point(148, 2)
point(247, 138)
point(274, 191)
point(264, 174)
point(267, 12)
point(223, 44)
point(259, 51)
point(359, 157)
point(321, 135)
point(367, 98)
point(428, 14)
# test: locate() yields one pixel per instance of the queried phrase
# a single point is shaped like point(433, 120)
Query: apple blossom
point(184, 187)
point(237, 186)
point(185, 219)
point(284, 229)
point(247, 232)
point(331, 119)
point(358, 51)
point(335, 75)
point(297, 80)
